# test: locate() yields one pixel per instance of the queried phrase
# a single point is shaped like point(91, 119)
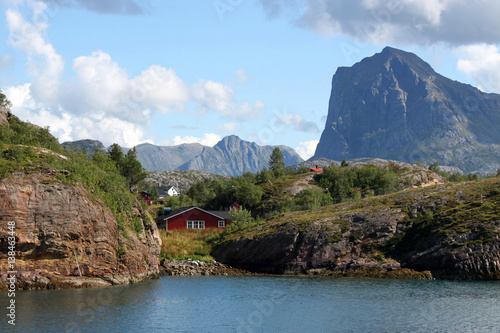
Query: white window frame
point(222, 224)
point(195, 224)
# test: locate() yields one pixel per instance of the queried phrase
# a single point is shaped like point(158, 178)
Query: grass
point(184, 244)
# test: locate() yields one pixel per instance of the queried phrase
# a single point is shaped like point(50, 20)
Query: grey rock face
point(85, 146)
point(393, 105)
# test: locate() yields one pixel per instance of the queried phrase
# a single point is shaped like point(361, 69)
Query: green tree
point(132, 169)
point(202, 191)
point(344, 164)
point(277, 162)
point(248, 194)
point(4, 102)
point(265, 176)
point(240, 217)
point(434, 167)
point(116, 154)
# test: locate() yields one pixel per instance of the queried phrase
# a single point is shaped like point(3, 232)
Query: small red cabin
point(316, 169)
point(193, 218)
point(146, 196)
point(233, 206)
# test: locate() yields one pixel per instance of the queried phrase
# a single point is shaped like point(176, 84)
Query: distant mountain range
point(230, 157)
point(394, 106)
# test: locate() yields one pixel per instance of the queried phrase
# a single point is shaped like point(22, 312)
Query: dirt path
point(302, 184)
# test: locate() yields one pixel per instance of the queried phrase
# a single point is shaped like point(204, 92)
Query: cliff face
point(444, 229)
point(393, 105)
point(58, 225)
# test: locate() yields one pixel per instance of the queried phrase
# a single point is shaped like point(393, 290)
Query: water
point(262, 304)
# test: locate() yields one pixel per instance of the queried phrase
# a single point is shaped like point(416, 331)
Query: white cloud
point(124, 7)
point(213, 96)
point(43, 62)
point(306, 149)
point(208, 139)
point(228, 127)
point(99, 99)
point(241, 75)
point(298, 123)
point(457, 22)
point(482, 62)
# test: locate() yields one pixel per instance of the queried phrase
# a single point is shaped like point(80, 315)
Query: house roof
point(170, 187)
point(220, 214)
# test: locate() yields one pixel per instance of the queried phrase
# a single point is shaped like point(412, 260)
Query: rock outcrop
point(393, 105)
point(449, 230)
point(4, 115)
point(195, 267)
point(67, 239)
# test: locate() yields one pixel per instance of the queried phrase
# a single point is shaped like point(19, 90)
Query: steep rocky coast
point(448, 231)
point(62, 232)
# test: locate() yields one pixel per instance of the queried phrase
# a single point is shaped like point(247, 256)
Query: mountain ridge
point(231, 156)
point(393, 105)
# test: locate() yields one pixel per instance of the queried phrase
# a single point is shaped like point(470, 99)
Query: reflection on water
point(262, 304)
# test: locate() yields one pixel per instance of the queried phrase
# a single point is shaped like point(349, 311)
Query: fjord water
point(262, 304)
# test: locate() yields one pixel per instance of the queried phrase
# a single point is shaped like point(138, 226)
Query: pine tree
point(116, 154)
point(132, 169)
point(277, 162)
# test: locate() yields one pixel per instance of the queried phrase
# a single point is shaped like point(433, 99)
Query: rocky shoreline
point(195, 267)
point(199, 268)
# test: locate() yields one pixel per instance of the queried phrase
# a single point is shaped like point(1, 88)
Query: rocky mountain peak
point(393, 105)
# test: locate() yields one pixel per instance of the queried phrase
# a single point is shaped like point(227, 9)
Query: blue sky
point(170, 72)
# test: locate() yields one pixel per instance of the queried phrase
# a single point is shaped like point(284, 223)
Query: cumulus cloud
point(100, 100)
point(122, 7)
point(43, 62)
point(297, 122)
point(208, 139)
point(306, 149)
point(228, 127)
point(482, 62)
point(399, 21)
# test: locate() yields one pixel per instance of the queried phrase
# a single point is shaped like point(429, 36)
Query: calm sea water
point(262, 304)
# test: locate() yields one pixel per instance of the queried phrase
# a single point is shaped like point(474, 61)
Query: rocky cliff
point(393, 105)
point(449, 230)
point(61, 231)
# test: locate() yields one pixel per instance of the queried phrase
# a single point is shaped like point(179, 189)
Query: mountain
point(85, 146)
point(232, 157)
point(166, 158)
point(229, 157)
point(394, 106)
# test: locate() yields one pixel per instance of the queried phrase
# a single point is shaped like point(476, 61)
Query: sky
point(170, 72)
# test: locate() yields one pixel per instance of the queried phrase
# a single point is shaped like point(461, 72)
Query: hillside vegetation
point(451, 230)
point(29, 148)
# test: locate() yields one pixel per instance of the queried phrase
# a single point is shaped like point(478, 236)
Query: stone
point(57, 225)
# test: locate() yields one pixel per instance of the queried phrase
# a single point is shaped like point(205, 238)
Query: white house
point(168, 191)
point(173, 191)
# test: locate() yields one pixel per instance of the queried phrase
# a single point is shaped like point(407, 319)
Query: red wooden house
point(233, 206)
point(193, 218)
point(146, 197)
